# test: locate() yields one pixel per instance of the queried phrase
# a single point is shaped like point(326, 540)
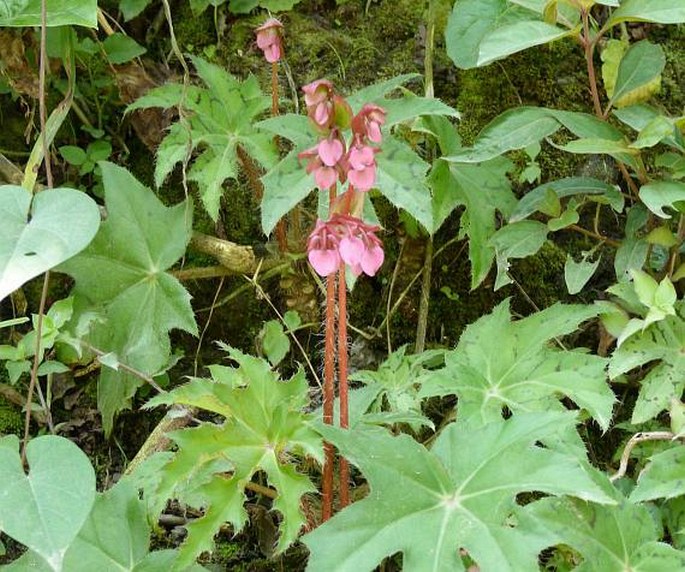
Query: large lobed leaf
point(122, 275)
point(220, 118)
point(501, 363)
point(610, 538)
point(264, 427)
point(428, 504)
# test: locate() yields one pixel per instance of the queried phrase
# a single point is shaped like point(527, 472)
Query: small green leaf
point(640, 66)
point(654, 132)
point(536, 199)
point(482, 31)
point(662, 236)
point(131, 8)
point(73, 155)
point(577, 274)
point(121, 48)
point(677, 415)
point(662, 194)
point(275, 342)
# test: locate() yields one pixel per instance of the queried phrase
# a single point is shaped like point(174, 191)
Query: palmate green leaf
point(20, 13)
point(482, 31)
point(122, 275)
point(662, 341)
point(659, 11)
point(397, 381)
point(428, 504)
point(221, 117)
point(521, 371)
point(610, 538)
point(264, 428)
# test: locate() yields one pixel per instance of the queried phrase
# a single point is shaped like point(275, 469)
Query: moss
point(11, 419)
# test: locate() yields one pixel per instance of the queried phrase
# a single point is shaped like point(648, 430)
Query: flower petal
point(324, 262)
point(330, 151)
point(325, 177)
point(372, 260)
point(351, 250)
point(363, 179)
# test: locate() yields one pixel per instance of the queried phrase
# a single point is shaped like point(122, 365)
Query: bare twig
point(630, 445)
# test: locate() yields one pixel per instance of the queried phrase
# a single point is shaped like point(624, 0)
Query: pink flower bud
point(368, 122)
point(270, 39)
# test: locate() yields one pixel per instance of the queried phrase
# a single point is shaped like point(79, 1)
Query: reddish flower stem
point(344, 469)
point(329, 389)
point(328, 398)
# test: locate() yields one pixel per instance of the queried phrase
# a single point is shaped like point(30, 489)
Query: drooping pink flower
point(361, 163)
point(345, 238)
point(318, 97)
point(270, 39)
point(322, 249)
point(368, 122)
point(325, 161)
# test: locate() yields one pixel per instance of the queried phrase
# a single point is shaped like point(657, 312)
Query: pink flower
point(270, 39)
point(322, 250)
point(361, 162)
point(345, 238)
point(324, 161)
point(318, 97)
point(368, 122)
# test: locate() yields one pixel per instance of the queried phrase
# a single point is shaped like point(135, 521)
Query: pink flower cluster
point(344, 238)
point(270, 39)
point(330, 161)
point(348, 239)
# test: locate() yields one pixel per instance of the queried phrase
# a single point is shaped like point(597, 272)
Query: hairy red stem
point(328, 398)
point(344, 469)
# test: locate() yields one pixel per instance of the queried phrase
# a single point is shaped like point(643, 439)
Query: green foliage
point(38, 233)
point(122, 278)
point(263, 430)
point(429, 503)
point(59, 13)
point(45, 509)
point(610, 538)
point(482, 31)
point(218, 119)
point(521, 372)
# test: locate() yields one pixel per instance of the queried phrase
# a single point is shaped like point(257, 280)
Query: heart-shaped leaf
point(45, 508)
point(36, 236)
